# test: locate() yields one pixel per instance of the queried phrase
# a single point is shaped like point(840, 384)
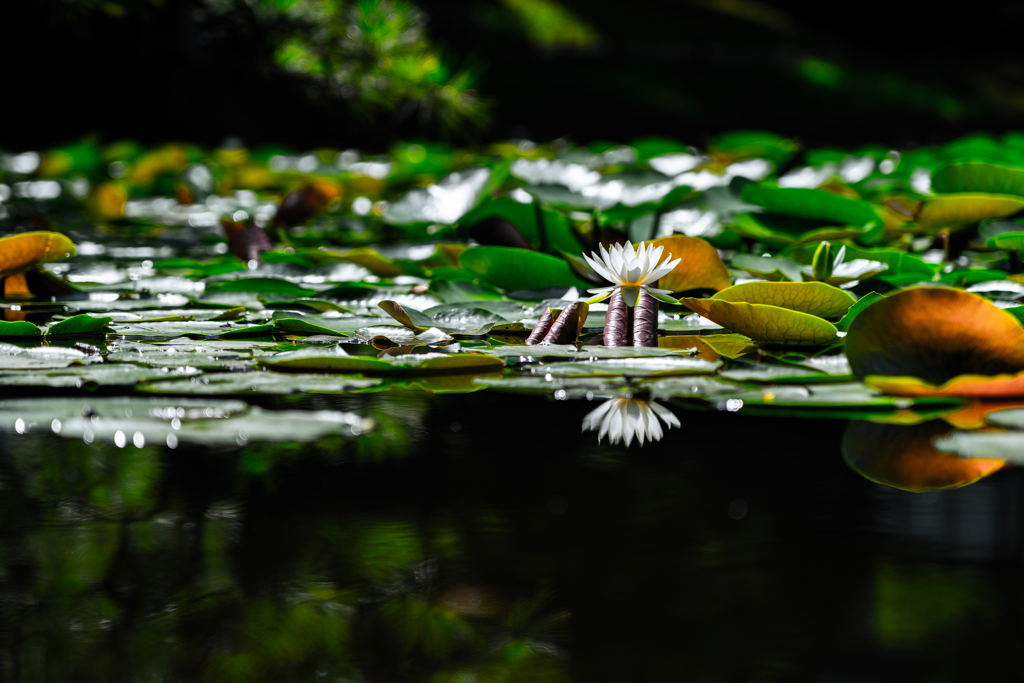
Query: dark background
point(830, 74)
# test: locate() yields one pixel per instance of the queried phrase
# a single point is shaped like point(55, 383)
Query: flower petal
point(599, 267)
point(630, 294)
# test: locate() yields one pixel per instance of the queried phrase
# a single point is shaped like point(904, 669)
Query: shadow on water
point(454, 544)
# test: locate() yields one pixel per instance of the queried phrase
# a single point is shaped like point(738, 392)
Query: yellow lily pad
point(963, 208)
point(815, 298)
point(763, 323)
point(22, 251)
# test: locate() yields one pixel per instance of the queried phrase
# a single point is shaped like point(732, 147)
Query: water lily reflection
point(624, 419)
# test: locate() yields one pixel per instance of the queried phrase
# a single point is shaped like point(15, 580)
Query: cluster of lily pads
point(873, 283)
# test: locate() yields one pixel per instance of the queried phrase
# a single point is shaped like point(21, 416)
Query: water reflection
point(906, 457)
point(625, 419)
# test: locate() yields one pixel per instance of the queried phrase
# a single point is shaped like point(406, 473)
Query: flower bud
point(821, 266)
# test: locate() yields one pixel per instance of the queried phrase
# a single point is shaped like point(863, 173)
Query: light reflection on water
point(459, 543)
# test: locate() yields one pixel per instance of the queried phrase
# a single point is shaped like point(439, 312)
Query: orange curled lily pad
point(20, 252)
point(700, 268)
point(927, 341)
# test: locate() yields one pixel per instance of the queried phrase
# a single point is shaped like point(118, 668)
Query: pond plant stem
point(618, 325)
point(645, 320)
point(566, 327)
point(540, 330)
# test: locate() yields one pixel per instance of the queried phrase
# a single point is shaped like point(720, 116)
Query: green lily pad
point(260, 383)
point(288, 322)
point(629, 367)
point(267, 286)
point(961, 209)
point(516, 269)
point(1011, 241)
point(79, 326)
point(781, 230)
point(809, 203)
point(335, 359)
point(539, 226)
point(769, 268)
point(765, 373)
point(92, 376)
point(20, 328)
point(979, 176)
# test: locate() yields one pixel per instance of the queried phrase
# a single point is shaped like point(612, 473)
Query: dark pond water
point(470, 538)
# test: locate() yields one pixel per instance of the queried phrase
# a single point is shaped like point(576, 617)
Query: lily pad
point(92, 376)
point(700, 268)
point(334, 359)
point(814, 298)
point(979, 176)
point(261, 285)
point(810, 203)
point(517, 269)
point(936, 334)
point(21, 251)
point(629, 367)
point(958, 210)
point(260, 383)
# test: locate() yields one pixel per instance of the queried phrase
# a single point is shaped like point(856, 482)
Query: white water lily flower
point(624, 419)
point(631, 269)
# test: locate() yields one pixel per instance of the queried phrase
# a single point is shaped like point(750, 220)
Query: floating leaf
point(537, 225)
point(904, 456)
point(630, 367)
point(769, 268)
point(786, 230)
point(1011, 241)
point(979, 176)
point(20, 328)
point(815, 298)
point(957, 210)
point(935, 334)
point(24, 250)
point(261, 383)
point(261, 285)
point(79, 326)
point(766, 324)
point(89, 377)
point(517, 269)
point(709, 346)
point(336, 360)
point(810, 203)
point(700, 268)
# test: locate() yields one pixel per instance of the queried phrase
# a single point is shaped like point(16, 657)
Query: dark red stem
point(618, 326)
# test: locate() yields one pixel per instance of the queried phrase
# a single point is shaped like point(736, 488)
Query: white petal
point(664, 269)
point(599, 268)
point(665, 414)
point(630, 295)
